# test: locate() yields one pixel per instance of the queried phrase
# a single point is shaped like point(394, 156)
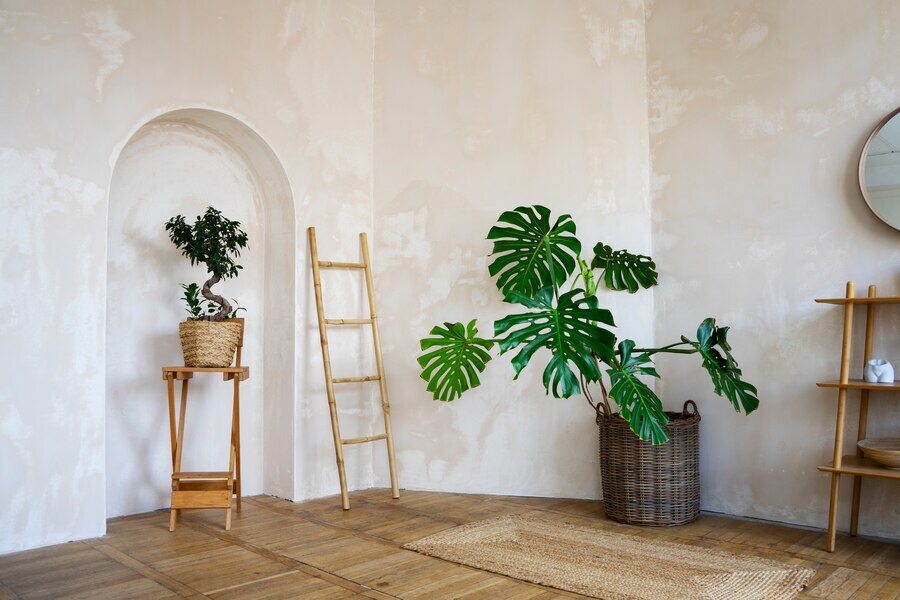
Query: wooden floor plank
point(291, 585)
point(6, 593)
point(316, 550)
point(217, 569)
point(175, 586)
point(71, 571)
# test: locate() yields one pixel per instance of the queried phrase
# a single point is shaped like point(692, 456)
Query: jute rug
point(614, 566)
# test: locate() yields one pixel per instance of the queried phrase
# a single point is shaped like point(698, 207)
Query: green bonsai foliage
point(215, 241)
point(533, 259)
point(198, 307)
point(191, 297)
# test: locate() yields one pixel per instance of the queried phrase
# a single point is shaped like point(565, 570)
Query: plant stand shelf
point(204, 489)
point(854, 464)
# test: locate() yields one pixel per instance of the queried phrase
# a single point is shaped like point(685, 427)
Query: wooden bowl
point(885, 451)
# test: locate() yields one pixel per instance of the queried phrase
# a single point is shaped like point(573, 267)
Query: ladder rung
point(348, 321)
point(202, 475)
point(369, 438)
point(356, 379)
point(330, 264)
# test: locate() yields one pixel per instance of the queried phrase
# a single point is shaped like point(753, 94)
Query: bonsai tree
point(199, 308)
point(215, 241)
point(533, 260)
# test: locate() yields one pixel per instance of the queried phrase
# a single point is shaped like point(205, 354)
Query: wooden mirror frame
point(861, 170)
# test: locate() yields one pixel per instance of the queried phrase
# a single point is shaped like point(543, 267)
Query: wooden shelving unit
point(854, 464)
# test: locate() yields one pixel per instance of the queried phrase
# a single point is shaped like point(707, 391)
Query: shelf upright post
point(863, 410)
point(841, 409)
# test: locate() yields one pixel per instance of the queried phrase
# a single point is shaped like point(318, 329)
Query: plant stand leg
point(176, 467)
point(170, 385)
point(237, 441)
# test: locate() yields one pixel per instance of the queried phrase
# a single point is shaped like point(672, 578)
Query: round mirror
point(879, 170)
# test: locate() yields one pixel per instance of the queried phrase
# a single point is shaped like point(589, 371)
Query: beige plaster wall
point(79, 79)
point(423, 121)
point(758, 113)
point(482, 106)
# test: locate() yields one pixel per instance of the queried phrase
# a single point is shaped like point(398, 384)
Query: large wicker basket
point(645, 484)
point(210, 343)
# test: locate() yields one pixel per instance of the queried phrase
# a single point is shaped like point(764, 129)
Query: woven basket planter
point(645, 484)
point(209, 343)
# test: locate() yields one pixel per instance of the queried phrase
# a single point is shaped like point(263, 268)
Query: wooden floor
point(277, 549)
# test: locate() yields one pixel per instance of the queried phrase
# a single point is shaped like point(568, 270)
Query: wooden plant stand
point(205, 489)
point(854, 464)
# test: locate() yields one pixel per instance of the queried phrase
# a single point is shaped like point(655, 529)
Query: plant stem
point(605, 397)
point(587, 392)
point(670, 349)
point(656, 350)
point(675, 345)
point(224, 305)
point(602, 387)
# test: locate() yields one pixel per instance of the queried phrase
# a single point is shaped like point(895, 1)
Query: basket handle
point(601, 411)
point(694, 411)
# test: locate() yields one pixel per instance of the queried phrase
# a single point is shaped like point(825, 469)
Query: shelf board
point(181, 373)
point(861, 300)
point(853, 465)
point(205, 369)
point(859, 384)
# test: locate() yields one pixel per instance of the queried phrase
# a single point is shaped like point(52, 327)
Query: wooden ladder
point(340, 442)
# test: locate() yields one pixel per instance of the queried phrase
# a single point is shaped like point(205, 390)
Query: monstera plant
point(538, 268)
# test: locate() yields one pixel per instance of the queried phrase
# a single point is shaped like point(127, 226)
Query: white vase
point(878, 371)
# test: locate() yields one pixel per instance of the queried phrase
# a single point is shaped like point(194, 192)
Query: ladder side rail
point(382, 383)
point(326, 362)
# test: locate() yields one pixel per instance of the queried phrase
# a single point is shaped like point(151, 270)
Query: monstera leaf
point(570, 330)
point(622, 270)
point(713, 347)
point(637, 403)
point(530, 252)
point(457, 355)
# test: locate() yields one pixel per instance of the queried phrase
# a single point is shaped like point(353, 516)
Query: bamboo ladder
point(340, 442)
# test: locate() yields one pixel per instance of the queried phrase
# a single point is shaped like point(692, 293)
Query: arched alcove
point(180, 163)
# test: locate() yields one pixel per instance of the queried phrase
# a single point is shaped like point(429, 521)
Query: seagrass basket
point(210, 343)
point(645, 484)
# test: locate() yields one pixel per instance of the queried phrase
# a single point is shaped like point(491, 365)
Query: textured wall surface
point(423, 121)
point(758, 113)
point(79, 79)
point(479, 109)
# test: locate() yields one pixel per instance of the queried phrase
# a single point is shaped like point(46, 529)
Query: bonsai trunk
point(225, 309)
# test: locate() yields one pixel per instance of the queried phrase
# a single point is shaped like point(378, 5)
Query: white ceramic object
point(878, 371)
